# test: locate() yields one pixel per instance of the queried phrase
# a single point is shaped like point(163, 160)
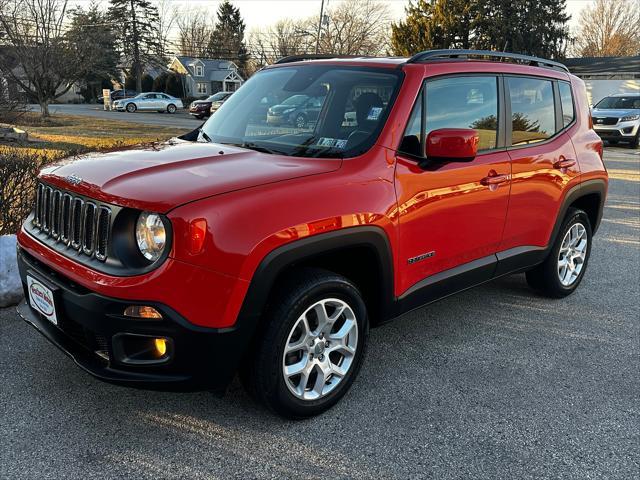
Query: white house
point(606, 75)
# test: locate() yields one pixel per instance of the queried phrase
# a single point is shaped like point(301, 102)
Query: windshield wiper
point(257, 148)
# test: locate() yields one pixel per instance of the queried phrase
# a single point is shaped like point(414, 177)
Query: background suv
point(617, 118)
point(248, 247)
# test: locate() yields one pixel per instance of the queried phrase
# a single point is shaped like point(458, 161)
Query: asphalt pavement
point(495, 382)
point(180, 119)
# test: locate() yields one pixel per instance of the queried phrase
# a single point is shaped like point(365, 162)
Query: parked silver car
point(616, 118)
point(157, 101)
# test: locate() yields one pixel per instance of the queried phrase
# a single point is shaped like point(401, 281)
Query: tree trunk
point(44, 108)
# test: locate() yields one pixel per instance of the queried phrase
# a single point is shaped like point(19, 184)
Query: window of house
point(464, 102)
point(533, 117)
point(201, 87)
point(199, 71)
point(566, 99)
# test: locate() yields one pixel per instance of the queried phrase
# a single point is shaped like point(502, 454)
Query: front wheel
point(312, 345)
point(300, 121)
point(563, 270)
point(635, 143)
point(131, 107)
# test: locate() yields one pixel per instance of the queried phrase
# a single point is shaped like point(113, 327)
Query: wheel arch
point(588, 196)
point(362, 254)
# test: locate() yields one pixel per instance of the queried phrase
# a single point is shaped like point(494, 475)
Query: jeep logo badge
point(73, 179)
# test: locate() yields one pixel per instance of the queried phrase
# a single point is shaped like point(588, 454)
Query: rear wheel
point(171, 108)
point(131, 107)
point(311, 348)
point(562, 271)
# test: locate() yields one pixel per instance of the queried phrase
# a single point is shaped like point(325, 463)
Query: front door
point(449, 214)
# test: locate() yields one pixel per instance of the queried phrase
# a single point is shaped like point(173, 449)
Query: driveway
point(495, 382)
point(181, 119)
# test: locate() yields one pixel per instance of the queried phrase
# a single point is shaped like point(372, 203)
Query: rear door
point(542, 155)
point(449, 216)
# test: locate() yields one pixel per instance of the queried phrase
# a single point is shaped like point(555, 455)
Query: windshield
point(217, 96)
point(620, 103)
point(309, 111)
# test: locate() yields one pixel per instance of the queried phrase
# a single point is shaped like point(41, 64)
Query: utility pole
point(319, 26)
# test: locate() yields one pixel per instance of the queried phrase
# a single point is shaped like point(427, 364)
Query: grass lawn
point(62, 135)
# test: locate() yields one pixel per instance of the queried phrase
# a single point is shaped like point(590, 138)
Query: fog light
point(142, 311)
point(161, 346)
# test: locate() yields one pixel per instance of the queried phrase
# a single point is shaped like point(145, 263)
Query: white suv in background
point(616, 118)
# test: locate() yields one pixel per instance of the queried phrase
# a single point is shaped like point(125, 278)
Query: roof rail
point(434, 55)
point(312, 56)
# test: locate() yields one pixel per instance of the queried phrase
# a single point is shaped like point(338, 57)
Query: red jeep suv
point(270, 250)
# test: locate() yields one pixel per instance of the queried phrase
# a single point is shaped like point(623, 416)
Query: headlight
point(630, 118)
point(150, 235)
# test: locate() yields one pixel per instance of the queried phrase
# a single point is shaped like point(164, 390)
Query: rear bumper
point(89, 325)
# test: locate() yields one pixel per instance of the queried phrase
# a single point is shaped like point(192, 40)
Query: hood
point(200, 102)
point(163, 176)
point(611, 112)
point(282, 108)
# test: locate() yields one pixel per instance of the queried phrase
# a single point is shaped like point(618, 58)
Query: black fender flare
point(598, 186)
point(274, 263)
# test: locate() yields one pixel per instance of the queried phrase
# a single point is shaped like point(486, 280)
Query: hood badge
point(73, 179)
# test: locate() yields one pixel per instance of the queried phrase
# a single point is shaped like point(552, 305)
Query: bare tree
point(608, 28)
point(282, 39)
point(194, 31)
point(356, 27)
point(37, 56)
point(167, 17)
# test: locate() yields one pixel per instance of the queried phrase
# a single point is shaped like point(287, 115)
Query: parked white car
point(157, 101)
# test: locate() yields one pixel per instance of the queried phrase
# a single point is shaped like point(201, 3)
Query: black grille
point(605, 120)
point(68, 219)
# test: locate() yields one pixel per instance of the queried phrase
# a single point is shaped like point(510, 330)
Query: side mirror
point(452, 145)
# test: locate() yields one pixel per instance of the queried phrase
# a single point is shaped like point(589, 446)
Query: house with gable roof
point(206, 76)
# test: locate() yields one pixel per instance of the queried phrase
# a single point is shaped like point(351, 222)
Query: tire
point(552, 279)
point(635, 143)
point(300, 120)
point(131, 107)
point(298, 299)
point(171, 108)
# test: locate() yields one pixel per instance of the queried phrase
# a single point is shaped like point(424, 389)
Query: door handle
point(495, 180)
point(566, 163)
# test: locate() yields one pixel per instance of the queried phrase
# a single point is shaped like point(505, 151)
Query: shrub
point(18, 171)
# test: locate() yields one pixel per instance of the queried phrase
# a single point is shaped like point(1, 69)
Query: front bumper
point(623, 131)
point(90, 324)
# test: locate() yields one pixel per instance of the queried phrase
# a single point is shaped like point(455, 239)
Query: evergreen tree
point(227, 39)
point(138, 36)
point(92, 29)
point(534, 27)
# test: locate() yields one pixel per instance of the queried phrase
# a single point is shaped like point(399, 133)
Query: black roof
point(594, 65)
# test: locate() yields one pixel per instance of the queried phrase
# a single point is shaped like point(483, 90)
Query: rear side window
point(533, 117)
point(464, 102)
point(566, 99)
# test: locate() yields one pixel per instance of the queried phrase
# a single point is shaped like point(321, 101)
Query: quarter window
point(533, 117)
point(566, 99)
point(411, 140)
point(464, 102)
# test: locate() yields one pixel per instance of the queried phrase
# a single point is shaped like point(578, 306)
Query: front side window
point(464, 102)
point(533, 117)
point(309, 110)
point(566, 99)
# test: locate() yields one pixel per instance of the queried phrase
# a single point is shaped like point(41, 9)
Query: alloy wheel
point(320, 349)
point(572, 255)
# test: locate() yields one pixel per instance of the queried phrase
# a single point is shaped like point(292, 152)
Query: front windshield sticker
point(332, 142)
point(374, 113)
